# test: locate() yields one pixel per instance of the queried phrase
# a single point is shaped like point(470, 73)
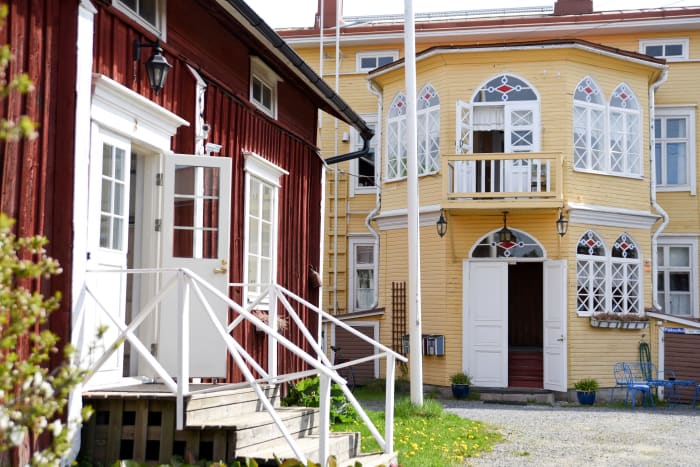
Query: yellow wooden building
point(525, 118)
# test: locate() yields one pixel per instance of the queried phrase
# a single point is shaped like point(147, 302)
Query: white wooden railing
point(185, 283)
point(512, 176)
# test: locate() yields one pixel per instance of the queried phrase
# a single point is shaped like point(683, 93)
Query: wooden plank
point(114, 433)
point(220, 446)
point(140, 430)
point(167, 431)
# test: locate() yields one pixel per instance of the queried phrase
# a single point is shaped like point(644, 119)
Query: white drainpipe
point(378, 184)
point(659, 209)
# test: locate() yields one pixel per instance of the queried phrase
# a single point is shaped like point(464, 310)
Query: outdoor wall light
point(505, 235)
point(442, 224)
point(157, 67)
point(562, 224)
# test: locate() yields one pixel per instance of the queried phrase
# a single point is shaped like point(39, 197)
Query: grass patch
point(428, 435)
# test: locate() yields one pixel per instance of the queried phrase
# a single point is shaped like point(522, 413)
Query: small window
point(149, 13)
point(367, 61)
point(676, 272)
point(263, 87)
point(671, 49)
point(362, 287)
point(363, 168)
point(674, 148)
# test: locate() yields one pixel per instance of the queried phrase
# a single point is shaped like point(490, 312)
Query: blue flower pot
point(460, 391)
point(585, 398)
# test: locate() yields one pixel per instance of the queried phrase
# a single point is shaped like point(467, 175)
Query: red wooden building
point(218, 171)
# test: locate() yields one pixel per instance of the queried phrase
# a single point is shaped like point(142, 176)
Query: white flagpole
point(414, 295)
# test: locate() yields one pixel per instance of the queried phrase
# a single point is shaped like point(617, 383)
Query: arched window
point(625, 132)
point(625, 276)
point(608, 138)
point(607, 281)
point(428, 116)
point(591, 265)
point(589, 126)
point(521, 246)
point(396, 139)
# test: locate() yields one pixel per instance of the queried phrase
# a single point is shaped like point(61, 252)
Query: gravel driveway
point(574, 436)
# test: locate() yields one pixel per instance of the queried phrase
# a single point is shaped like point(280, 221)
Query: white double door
point(485, 323)
point(150, 210)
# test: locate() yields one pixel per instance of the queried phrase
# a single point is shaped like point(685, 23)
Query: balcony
point(494, 181)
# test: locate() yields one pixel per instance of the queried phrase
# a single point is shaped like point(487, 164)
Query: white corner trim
point(580, 213)
point(87, 7)
point(128, 113)
point(398, 218)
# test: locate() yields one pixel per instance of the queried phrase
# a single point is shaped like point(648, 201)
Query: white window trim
point(394, 54)
point(356, 143)
point(390, 121)
point(692, 242)
point(426, 114)
point(608, 109)
point(268, 77)
point(608, 260)
point(681, 111)
point(354, 240)
point(683, 41)
point(260, 168)
point(161, 27)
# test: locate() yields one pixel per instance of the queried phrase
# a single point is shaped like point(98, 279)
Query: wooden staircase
point(138, 423)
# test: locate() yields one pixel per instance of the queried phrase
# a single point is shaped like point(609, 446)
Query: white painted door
point(521, 136)
point(108, 225)
point(196, 232)
point(554, 317)
point(486, 322)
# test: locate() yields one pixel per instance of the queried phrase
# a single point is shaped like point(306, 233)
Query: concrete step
point(373, 460)
point(343, 446)
point(516, 395)
point(226, 404)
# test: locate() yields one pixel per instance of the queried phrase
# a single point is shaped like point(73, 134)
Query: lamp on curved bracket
point(157, 67)
point(442, 224)
point(562, 224)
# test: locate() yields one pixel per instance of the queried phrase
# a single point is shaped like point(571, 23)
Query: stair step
point(259, 429)
point(230, 403)
point(343, 446)
point(372, 460)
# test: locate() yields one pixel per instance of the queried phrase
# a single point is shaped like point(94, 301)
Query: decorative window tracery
point(521, 246)
point(395, 138)
point(428, 117)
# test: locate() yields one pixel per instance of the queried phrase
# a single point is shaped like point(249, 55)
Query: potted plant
point(460, 385)
point(585, 390)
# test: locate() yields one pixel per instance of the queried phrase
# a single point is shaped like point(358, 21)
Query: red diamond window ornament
point(399, 104)
point(504, 88)
point(623, 96)
point(624, 246)
point(507, 245)
point(427, 97)
point(588, 90)
point(591, 243)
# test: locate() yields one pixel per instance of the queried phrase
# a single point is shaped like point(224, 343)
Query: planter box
point(618, 324)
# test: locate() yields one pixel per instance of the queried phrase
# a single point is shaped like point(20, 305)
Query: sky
point(300, 13)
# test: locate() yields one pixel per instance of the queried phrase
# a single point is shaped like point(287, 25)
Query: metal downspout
point(377, 186)
point(659, 209)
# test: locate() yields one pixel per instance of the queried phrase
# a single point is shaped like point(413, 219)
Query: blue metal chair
point(625, 378)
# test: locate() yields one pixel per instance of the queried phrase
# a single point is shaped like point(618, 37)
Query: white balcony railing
point(184, 282)
point(517, 176)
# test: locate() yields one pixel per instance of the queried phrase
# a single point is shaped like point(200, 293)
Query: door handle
point(561, 339)
point(223, 269)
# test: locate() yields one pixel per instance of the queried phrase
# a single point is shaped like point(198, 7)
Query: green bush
point(586, 385)
point(306, 394)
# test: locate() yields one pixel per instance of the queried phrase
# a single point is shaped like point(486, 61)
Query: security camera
point(212, 147)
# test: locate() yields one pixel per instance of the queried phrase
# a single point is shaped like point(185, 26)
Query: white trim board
point(398, 218)
point(589, 214)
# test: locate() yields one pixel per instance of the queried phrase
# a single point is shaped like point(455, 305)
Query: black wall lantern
point(505, 235)
point(442, 224)
point(157, 66)
point(562, 224)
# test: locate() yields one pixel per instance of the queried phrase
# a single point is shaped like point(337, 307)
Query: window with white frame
point(428, 118)
point(363, 273)
point(260, 250)
point(148, 13)
point(676, 272)
point(363, 168)
point(396, 139)
point(589, 126)
point(607, 281)
point(669, 49)
point(263, 87)
point(607, 139)
point(366, 61)
point(674, 148)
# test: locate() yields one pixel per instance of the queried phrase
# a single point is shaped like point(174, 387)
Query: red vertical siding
point(221, 56)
